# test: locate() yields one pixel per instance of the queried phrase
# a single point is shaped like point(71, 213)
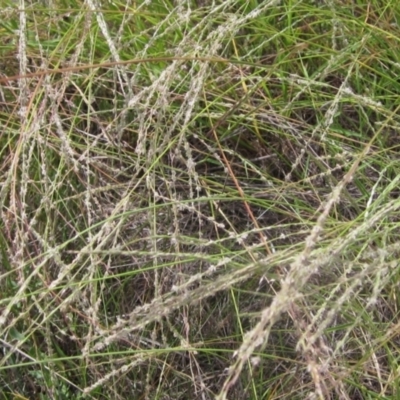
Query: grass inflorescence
point(199, 199)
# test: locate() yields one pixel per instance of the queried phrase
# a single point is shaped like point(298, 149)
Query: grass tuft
point(199, 200)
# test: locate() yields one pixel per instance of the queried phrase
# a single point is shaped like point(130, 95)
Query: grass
point(199, 200)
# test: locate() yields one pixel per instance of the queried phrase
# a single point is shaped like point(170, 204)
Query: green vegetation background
point(199, 199)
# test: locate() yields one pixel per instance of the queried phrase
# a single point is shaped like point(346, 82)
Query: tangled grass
point(199, 199)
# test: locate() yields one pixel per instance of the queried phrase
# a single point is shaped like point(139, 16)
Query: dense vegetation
point(199, 199)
